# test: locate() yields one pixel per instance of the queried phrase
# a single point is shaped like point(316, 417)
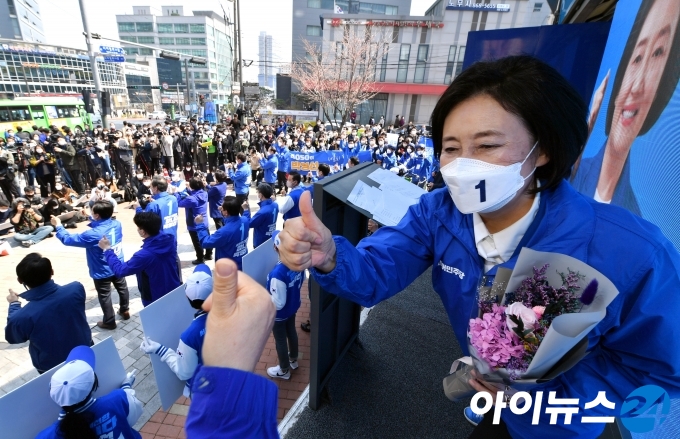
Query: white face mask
point(57, 187)
point(147, 183)
point(409, 150)
point(478, 186)
point(38, 151)
point(140, 176)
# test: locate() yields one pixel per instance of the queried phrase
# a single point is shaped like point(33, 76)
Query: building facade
point(21, 20)
point(266, 76)
point(30, 69)
point(203, 34)
point(426, 52)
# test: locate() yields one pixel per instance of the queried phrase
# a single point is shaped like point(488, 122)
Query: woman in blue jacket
point(507, 134)
point(196, 203)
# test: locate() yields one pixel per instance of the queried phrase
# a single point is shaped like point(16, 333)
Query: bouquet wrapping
point(532, 324)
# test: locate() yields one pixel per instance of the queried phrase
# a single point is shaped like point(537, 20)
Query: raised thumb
point(225, 279)
point(307, 211)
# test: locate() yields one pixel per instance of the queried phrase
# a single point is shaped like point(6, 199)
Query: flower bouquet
point(532, 324)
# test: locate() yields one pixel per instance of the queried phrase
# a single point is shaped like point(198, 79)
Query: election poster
point(309, 162)
point(632, 156)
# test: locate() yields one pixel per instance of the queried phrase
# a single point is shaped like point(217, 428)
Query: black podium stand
point(335, 321)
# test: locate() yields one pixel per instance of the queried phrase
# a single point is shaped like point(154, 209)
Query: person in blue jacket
point(270, 164)
point(263, 222)
point(164, 205)
point(100, 272)
point(284, 286)
point(419, 166)
point(389, 160)
point(283, 156)
point(82, 415)
point(281, 129)
point(155, 264)
point(196, 203)
point(288, 205)
point(187, 358)
point(240, 177)
point(231, 241)
point(216, 194)
point(507, 133)
point(59, 310)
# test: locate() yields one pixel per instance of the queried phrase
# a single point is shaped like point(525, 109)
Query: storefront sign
point(468, 5)
point(335, 22)
point(40, 66)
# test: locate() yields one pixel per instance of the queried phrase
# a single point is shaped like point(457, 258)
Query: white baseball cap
point(73, 382)
point(199, 283)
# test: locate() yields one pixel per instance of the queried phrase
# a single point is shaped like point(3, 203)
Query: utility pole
point(93, 61)
point(237, 3)
point(186, 82)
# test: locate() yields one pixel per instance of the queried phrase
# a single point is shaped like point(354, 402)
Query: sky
point(63, 25)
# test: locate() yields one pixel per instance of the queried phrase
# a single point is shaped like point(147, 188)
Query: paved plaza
point(70, 265)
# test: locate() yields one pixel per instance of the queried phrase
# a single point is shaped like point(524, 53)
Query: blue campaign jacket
point(165, 205)
point(216, 198)
point(53, 321)
point(419, 166)
point(89, 240)
point(263, 222)
point(230, 403)
point(270, 165)
point(284, 158)
point(389, 161)
point(196, 203)
point(240, 178)
point(110, 413)
point(637, 342)
point(281, 129)
point(193, 337)
point(293, 281)
point(295, 194)
point(155, 265)
point(230, 241)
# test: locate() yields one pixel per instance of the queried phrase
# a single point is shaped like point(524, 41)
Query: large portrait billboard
point(632, 157)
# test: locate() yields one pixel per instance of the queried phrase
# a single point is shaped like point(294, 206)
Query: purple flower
point(589, 293)
point(492, 338)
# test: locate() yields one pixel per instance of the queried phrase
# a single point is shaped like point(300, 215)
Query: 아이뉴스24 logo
point(645, 409)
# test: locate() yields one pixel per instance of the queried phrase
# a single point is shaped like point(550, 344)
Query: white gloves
point(151, 347)
point(129, 379)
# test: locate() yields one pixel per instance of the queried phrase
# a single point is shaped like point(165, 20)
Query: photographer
point(7, 174)
point(44, 165)
point(123, 158)
point(68, 159)
point(26, 222)
point(167, 155)
point(93, 163)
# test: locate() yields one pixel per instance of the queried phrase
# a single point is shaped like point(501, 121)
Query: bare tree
point(342, 74)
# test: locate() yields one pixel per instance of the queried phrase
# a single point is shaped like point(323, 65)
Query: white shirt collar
point(499, 247)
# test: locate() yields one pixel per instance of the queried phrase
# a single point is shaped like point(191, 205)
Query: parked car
point(158, 115)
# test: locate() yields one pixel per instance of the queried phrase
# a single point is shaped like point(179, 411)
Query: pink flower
point(527, 315)
point(492, 339)
point(539, 310)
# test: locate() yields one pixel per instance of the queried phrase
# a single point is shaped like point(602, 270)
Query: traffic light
point(132, 87)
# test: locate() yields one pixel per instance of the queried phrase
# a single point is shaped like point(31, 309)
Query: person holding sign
point(507, 133)
point(83, 416)
point(263, 222)
point(231, 240)
point(184, 361)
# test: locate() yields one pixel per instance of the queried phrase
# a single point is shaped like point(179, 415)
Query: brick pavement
point(70, 265)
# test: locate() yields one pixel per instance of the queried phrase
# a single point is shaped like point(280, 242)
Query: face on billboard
point(644, 71)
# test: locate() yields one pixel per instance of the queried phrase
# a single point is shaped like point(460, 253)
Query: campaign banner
point(632, 156)
point(309, 162)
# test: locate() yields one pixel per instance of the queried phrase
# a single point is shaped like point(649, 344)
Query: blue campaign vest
point(295, 211)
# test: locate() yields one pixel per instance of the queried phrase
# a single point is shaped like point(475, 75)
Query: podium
point(335, 321)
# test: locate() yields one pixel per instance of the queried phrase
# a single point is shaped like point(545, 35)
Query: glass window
point(202, 53)
point(461, 57)
point(144, 51)
point(421, 62)
point(146, 40)
point(314, 31)
point(37, 113)
point(130, 39)
point(164, 28)
point(537, 7)
point(179, 41)
point(404, 54)
point(181, 28)
point(12, 7)
point(126, 27)
point(4, 114)
point(131, 50)
point(383, 67)
point(213, 65)
point(198, 41)
point(314, 4)
point(165, 41)
point(19, 113)
point(449, 65)
point(197, 28)
point(144, 27)
point(391, 10)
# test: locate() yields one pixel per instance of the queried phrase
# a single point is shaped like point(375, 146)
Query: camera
point(144, 201)
point(26, 206)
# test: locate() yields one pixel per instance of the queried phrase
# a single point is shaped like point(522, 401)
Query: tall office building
point(202, 34)
point(20, 20)
point(266, 77)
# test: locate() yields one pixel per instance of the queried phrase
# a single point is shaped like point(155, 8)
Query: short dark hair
point(265, 190)
point(34, 270)
point(196, 183)
point(231, 205)
point(667, 83)
point(354, 160)
point(150, 222)
point(4, 203)
point(241, 156)
point(550, 108)
point(323, 167)
point(296, 176)
point(220, 176)
point(103, 208)
point(29, 189)
point(159, 183)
